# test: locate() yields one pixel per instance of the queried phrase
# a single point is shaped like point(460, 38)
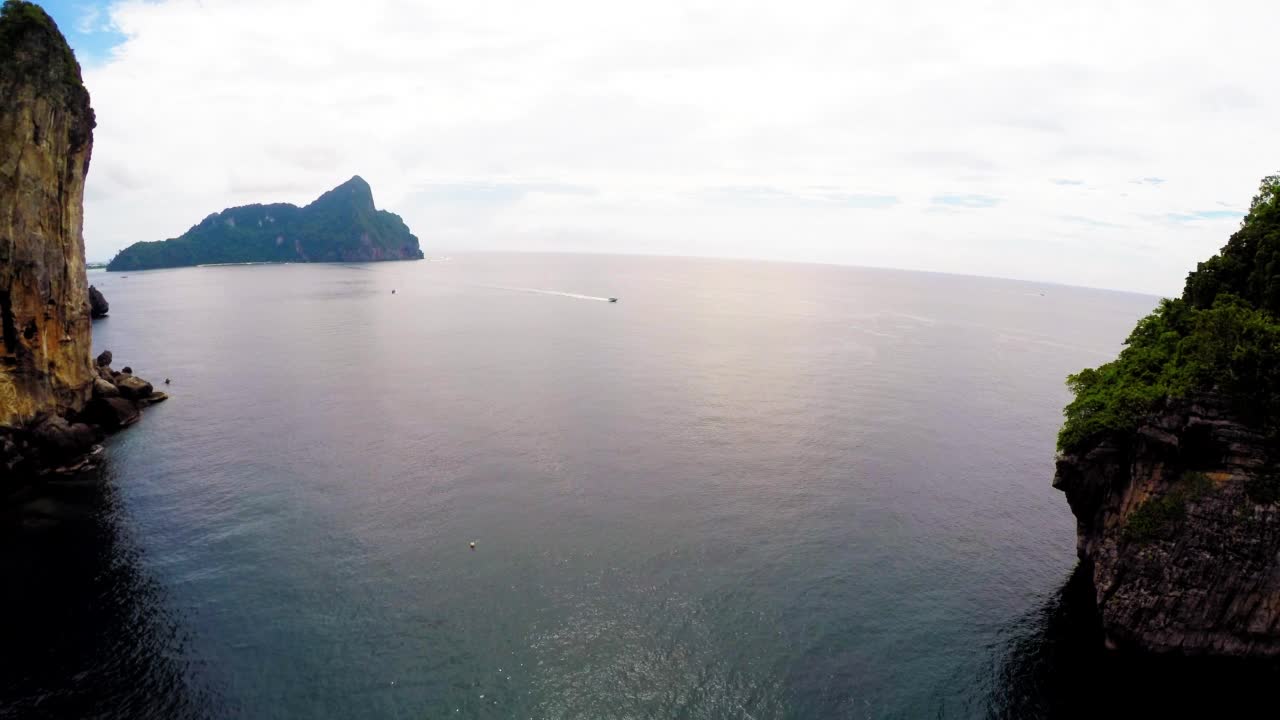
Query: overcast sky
point(1110, 144)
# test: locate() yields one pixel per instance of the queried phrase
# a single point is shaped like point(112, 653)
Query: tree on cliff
point(1249, 265)
point(1221, 336)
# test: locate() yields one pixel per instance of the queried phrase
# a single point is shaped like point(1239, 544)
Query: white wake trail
point(537, 291)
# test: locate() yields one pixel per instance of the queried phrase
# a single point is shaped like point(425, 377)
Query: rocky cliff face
point(46, 136)
point(55, 401)
point(1179, 526)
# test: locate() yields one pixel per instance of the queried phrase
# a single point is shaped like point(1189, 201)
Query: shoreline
point(57, 444)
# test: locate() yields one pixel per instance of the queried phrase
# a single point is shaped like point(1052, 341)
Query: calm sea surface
point(746, 490)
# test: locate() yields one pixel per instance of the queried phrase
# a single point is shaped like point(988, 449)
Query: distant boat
point(613, 299)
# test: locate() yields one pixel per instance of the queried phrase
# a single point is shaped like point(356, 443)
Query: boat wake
point(536, 291)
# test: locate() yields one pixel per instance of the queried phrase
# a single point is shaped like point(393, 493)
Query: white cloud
point(89, 20)
point(821, 131)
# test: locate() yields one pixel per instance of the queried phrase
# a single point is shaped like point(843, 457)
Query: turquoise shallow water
point(744, 490)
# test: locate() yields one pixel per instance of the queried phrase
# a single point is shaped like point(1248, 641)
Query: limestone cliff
point(46, 136)
point(1169, 460)
point(1179, 528)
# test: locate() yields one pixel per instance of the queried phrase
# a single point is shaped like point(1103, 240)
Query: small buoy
point(473, 544)
point(393, 292)
point(166, 381)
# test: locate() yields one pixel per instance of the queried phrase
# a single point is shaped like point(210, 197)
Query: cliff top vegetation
point(1222, 335)
point(34, 53)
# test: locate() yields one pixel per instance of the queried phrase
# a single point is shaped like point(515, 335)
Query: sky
point(1108, 144)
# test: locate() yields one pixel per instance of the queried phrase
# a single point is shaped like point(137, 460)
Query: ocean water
point(745, 490)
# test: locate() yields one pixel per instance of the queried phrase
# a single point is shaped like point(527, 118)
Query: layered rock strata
point(1179, 528)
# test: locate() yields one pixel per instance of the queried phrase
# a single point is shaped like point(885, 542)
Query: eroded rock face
point(1180, 529)
point(46, 136)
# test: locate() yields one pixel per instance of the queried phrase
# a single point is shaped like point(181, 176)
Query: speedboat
point(613, 299)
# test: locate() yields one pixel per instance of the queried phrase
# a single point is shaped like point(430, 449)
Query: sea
point(473, 487)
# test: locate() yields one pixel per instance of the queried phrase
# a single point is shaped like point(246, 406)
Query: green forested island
point(1222, 335)
point(341, 225)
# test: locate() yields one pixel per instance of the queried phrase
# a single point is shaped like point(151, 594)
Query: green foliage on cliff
point(340, 226)
point(1159, 517)
point(34, 52)
point(20, 20)
point(1222, 335)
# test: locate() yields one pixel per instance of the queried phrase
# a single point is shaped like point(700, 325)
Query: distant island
point(341, 225)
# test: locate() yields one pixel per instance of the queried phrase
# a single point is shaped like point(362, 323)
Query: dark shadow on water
point(1055, 666)
point(84, 632)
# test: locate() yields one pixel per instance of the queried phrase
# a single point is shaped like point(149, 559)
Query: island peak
point(341, 225)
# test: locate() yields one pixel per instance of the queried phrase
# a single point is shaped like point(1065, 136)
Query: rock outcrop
point(46, 136)
point(98, 306)
point(1179, 528)
point(53, 443)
